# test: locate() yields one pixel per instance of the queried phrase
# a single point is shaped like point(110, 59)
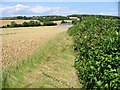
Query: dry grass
point(22, 42)
point(5, 22)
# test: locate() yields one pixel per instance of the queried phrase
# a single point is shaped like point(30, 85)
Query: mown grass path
point(55, 70)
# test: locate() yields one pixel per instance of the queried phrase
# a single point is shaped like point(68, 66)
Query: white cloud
point(110, 12)
point(17, 7)
point(114, 13)
point(64, 11)
point(12, 10)
point(40, 9)
point(53, 10)
point(21, 9)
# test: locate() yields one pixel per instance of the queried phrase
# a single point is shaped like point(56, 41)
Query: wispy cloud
point(12, 10)
point(40, 9)
point(36, 10)
point(18, 7)
point(53, 10)
point(33, 10)
point(112, 12)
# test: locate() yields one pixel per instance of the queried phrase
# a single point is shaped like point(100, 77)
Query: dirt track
point(22, 42)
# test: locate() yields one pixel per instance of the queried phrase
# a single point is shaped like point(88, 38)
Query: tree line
point(41, 18)
point(29, 24)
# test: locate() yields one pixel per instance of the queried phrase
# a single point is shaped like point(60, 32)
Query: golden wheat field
point(22, 42)
point(5, 22)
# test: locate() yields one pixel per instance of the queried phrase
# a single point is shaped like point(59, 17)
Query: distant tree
point(48, 23)
point(31, 23)
point(13, 24)
point(25, 24)
point(8, 25)
point(19, 25)
point(37, 23)
point(25, 18)
point(19, 17)
point(63, 21)
point(4, 26)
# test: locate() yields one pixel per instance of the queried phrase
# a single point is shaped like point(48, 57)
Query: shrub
point(26, 24)
point(63, 21)
point(48, 23)
point(4, 26)
point(97, 45)
point(19, 25)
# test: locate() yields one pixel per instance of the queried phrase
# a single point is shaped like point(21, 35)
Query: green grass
point(52, 66)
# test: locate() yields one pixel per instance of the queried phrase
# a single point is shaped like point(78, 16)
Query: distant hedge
point(29, 24)
point(63, 21)
point(97, 45)
point(48, 23)
point(41, 18)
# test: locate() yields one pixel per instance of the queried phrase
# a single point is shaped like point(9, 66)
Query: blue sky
point(57, 8)
point(60, 0)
